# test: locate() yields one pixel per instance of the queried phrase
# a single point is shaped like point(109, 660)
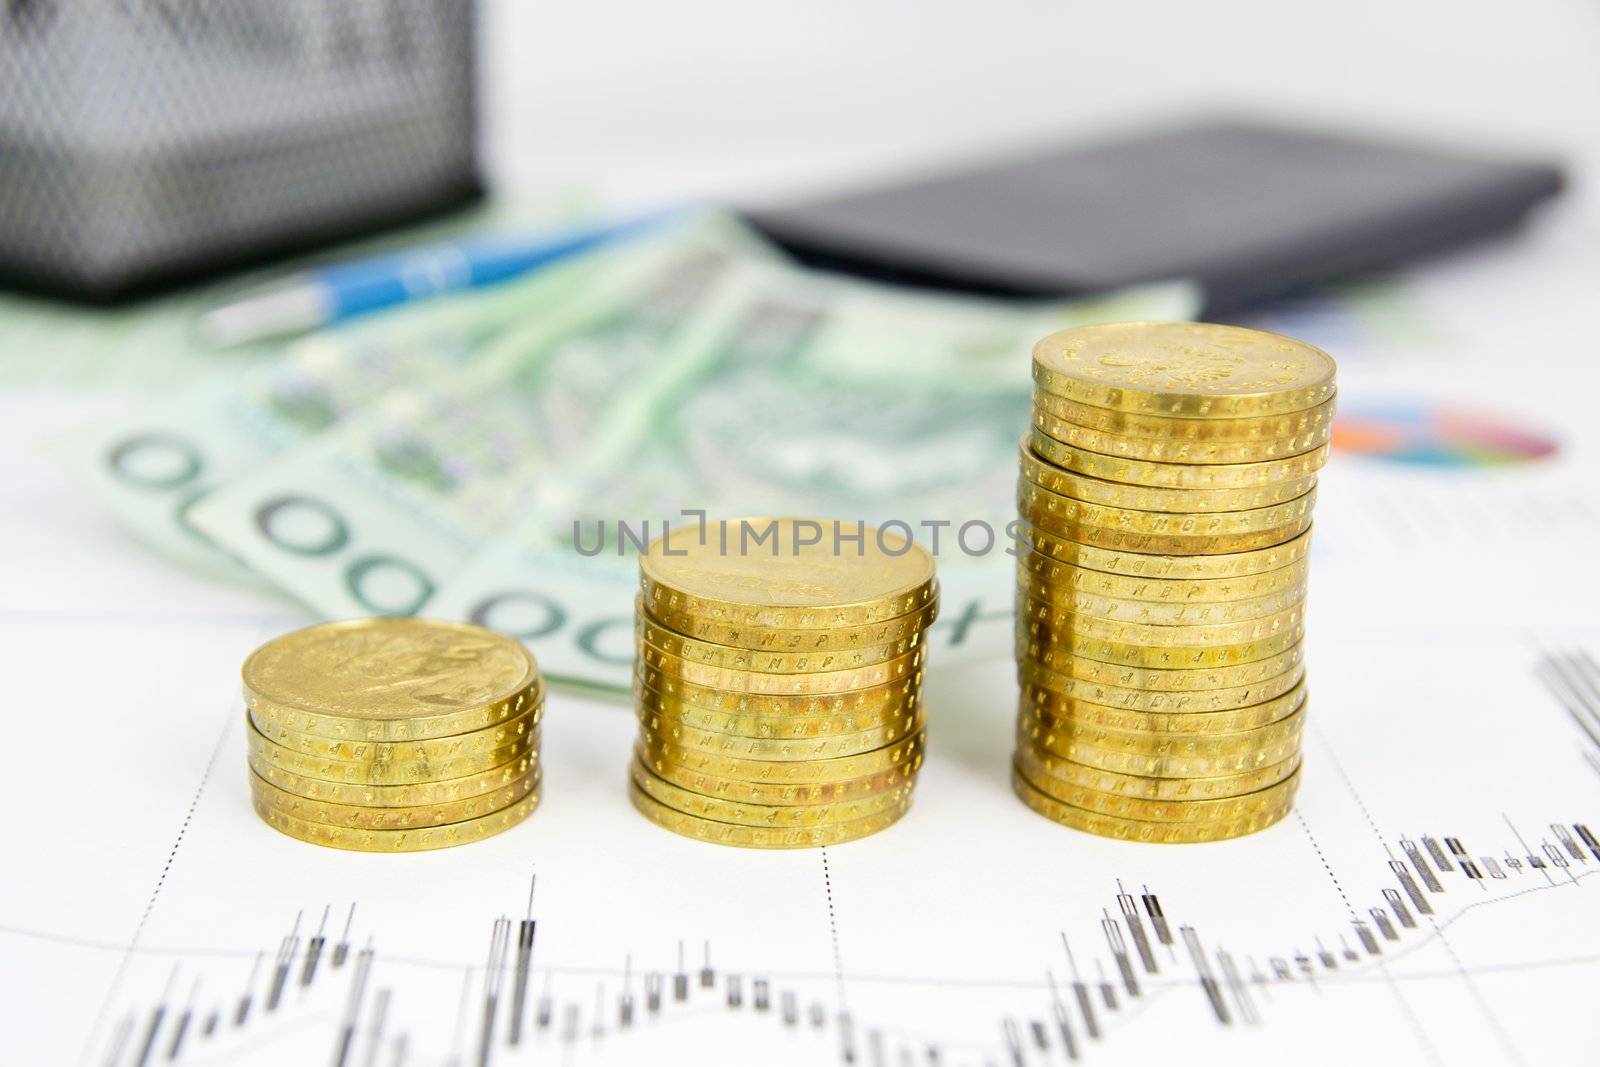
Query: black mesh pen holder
point(149, 141)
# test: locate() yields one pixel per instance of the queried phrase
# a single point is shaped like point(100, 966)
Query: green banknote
point(371, 516)
point(815, 396)
point(152, 466)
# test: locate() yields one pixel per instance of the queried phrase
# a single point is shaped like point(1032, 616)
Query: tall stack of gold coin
point(1165, 494)
point(778, 685)
point(393, 735)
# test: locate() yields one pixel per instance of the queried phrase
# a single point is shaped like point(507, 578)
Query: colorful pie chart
point(1435, 435)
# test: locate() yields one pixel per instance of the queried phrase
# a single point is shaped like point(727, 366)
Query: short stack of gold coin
point(393, 735)
point(1165, 495)
point(778, 685)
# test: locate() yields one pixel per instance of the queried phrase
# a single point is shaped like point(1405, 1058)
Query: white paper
point(139, 880)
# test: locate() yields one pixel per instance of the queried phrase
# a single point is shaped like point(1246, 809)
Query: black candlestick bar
point(1069, 1040)
point(1409, 884)
point(352, 1008)
point(625, 1001)
point(1420, 864)
point(380, 1019)
point(494, 972)
point(1439, 858)
point(242, 1011)
point(1141, 943)
point(1158, 918)
point(1119, 952)
point(341, 951)
point(280, 971)
point(1013, 1041)
point(1241, 995)
point(181, 1028)
point(519, 989)
point(652, 992)
point(1568, 842)
point(1208, 980)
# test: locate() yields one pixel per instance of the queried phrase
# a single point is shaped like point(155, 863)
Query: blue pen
point(332, 294)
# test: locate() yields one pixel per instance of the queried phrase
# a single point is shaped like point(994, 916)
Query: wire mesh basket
point(142, 141)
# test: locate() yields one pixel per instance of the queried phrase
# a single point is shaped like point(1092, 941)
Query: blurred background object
point(1249, 211)
point(151, 140)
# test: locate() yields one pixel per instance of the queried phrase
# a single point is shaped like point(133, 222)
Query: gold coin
point(792, 772)
point(891, 722)
point(732, 811)
point(1155, 613)
point(766, 662)
point(1306, 422)
point(1194, 370)
point(1045, 622)
point(1155, 498)
point(1177, 451)
point(419, 794)
point(1050, 732)
point(409, 818)
point(665, 764)
point(395, 731)
point(742, 681)
point(722, 572)
point(390, 679)
point(1049, 646)
point(875, 700)
point(1174, 533)
point(1075, 664)
point(1153, 565)
point(1157, 766)
point(1042, 572)
point(674, 731)
point(1218, 809)
point(1049, 769)
point(1054, 511)
point(722, 833)
point(814, 639)
point(1195, 723)
point(1176, 475)
point(1123, 829)
point(407, 773)
point(391, 752)
point(1133, 698)
point(419, 840)
point(1156, 544)
point(1036, 521)
point(1200, 810)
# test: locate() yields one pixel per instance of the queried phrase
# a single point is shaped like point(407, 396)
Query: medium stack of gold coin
point(778, 683)
point(1165, 494)
point(393, 735)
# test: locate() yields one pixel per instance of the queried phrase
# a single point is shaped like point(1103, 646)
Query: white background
point(725, 97)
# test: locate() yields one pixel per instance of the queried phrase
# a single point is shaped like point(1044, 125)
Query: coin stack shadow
point(393, 735)
point(779, 697)
point(1165, 494)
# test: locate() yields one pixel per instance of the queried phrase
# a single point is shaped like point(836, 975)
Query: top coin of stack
point(1166, 491)
point(778, 682)
point(393, 735)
